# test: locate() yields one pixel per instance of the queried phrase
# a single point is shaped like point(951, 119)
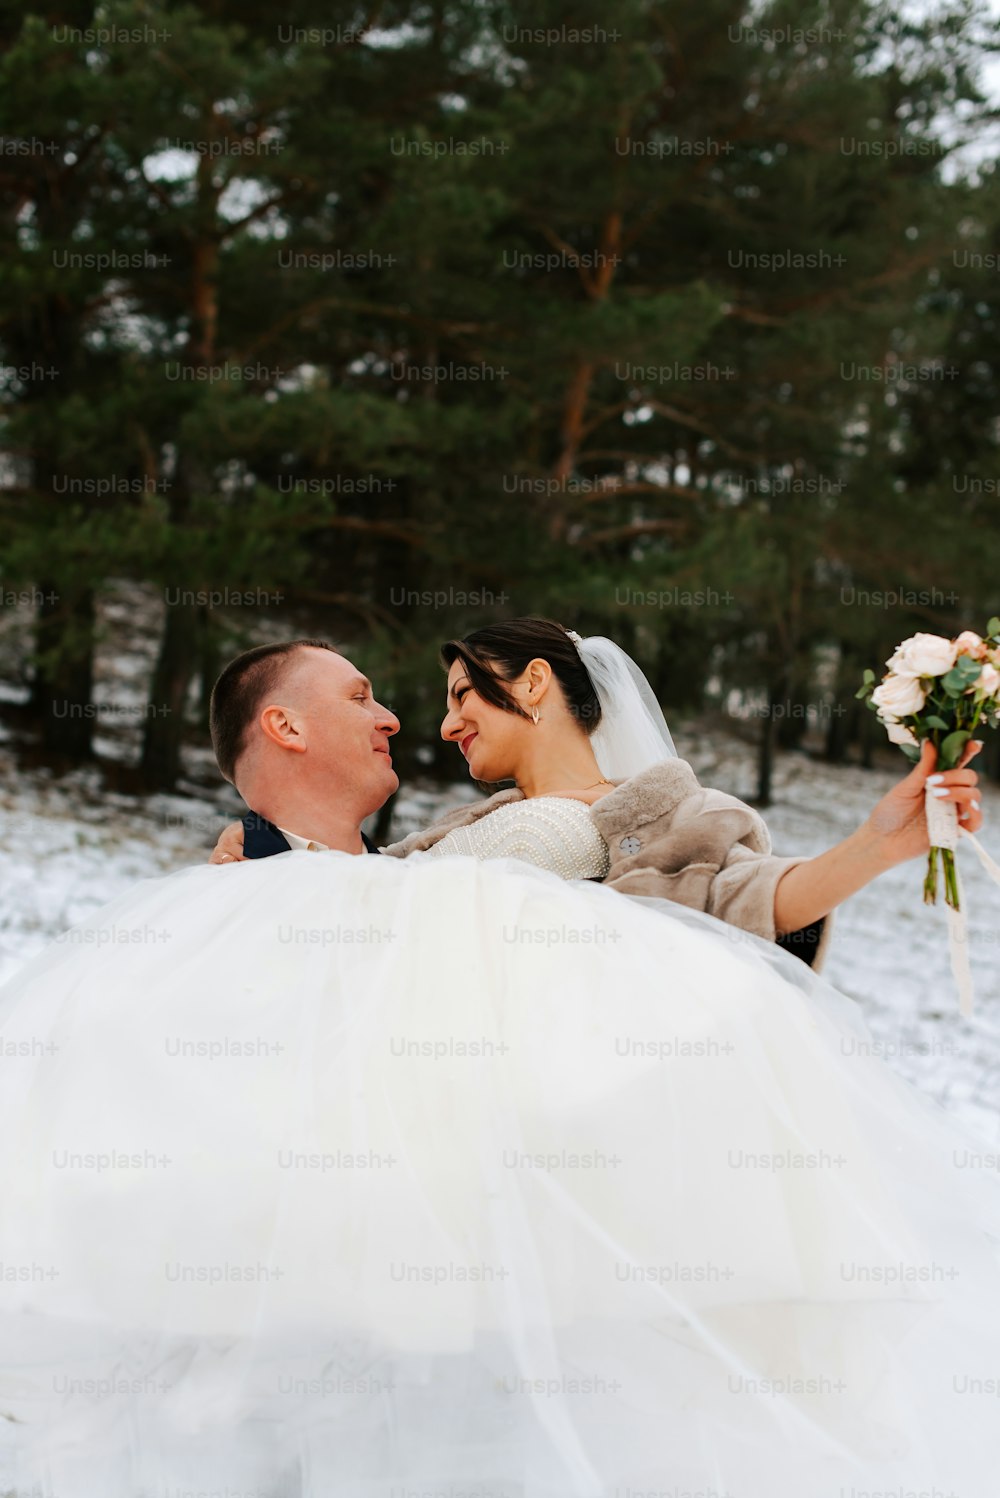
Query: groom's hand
point(229, 848)
point(898, 820)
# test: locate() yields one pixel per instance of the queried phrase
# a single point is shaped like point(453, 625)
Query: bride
point(334, 1177)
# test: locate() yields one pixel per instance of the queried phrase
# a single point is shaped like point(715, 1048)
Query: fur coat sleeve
point(672, 837)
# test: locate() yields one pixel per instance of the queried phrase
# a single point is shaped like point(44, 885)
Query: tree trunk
point(185, 627)
point(210, 665)
point(765, 749)
point(840, 731)
point(63, 686)
point(63, 689)
point(597, 285)
point(160, 765)
point(793, 722)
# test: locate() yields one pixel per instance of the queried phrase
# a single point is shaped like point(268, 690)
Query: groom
point(312, 769)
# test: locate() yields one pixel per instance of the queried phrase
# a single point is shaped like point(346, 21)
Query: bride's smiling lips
point(466, 742)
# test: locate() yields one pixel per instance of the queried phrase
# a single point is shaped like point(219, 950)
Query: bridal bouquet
point(942, 690)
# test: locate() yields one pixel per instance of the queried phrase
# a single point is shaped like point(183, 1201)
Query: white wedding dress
point(332, 1177)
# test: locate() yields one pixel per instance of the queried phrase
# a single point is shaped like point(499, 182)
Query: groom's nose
point(386, 721)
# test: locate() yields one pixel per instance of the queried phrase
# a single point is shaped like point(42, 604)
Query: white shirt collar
point(303, 843)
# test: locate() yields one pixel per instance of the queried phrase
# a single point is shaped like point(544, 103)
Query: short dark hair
point(499, 653)
point(240, 691)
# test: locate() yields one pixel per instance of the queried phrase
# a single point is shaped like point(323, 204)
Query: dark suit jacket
point(261, 838)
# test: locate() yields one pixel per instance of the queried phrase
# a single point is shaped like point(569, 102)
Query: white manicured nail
point(934, 779)
point(975, 806)
point(940, 790)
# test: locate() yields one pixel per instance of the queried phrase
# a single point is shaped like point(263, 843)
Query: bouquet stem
point(943, 830)
point(931, 878)
point(950, 878)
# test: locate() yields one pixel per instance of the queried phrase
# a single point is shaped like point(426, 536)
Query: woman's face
point(492, 740)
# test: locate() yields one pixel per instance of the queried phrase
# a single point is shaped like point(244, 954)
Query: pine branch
point(632, 531)
point(611, 491)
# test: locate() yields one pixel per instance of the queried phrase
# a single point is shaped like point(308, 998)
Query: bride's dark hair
point(499, 653)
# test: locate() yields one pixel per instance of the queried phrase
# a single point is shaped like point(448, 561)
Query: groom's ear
point(283, 727)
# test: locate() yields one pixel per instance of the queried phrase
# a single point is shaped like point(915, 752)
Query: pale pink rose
point(898, 696)
point(969, 643)
point(923, 655)
point(988, 681)
point(900, 734)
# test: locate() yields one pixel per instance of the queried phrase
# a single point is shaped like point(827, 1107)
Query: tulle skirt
point(334, 1177)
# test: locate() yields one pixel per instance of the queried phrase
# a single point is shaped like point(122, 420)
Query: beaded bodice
point(554, 832)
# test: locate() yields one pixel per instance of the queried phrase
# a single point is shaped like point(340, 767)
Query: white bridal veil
point(633, 733)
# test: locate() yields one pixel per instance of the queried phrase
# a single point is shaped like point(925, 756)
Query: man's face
point(336, 721)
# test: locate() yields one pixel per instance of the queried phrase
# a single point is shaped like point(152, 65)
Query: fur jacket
point(671, 837)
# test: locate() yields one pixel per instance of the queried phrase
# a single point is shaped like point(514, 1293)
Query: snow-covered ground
point(67, 847)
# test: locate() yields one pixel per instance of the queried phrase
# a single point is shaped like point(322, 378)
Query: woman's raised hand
point(898, 820)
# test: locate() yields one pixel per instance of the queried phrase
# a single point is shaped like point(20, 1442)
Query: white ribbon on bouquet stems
point(945, 831)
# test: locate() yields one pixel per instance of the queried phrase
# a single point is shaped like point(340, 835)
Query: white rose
point(898, 696)
point(900, 734)
point(988, 681)
point(923, 655)
point(969, 643)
